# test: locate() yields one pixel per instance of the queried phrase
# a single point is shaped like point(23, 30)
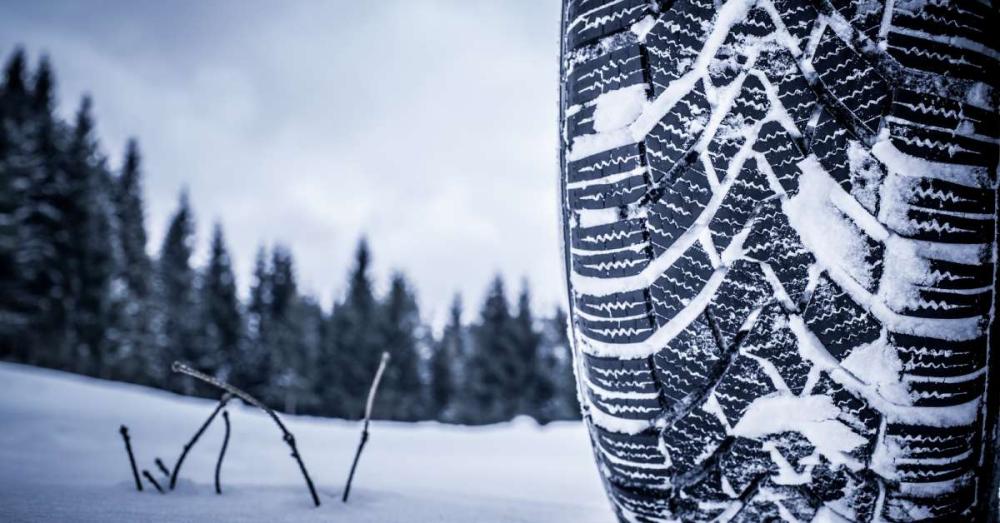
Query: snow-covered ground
point(62, 459)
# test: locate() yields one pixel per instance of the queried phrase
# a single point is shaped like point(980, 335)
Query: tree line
point(80, 292)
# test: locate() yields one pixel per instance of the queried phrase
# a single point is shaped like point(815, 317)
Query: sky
point(427, 126)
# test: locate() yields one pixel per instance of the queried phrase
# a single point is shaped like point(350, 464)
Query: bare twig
point(194, 439)
point(162, 467)
point(250, 400)
point(222, 453)
point(368, 414)
point(131, 458)
point(153, 481)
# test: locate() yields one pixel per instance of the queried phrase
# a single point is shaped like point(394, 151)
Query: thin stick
point(153, 481)
point(194, 439)
point(131, 458)
point(162, 467)
point(250, 400)
point(368, 416)
point(222, 453)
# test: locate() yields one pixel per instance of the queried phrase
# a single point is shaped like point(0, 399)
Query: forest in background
point(80, 291)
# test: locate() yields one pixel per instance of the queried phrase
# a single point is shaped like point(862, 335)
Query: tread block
point(607, 195)
point(619, 375)
point(830, 142)
point(932, 303)
point(922, 356)
point(851, 80)
point(633, 448)
point(743, 382)
point(782, 155)
point(950, 275)
point(794, 92)
point(589, 20)
point(616, 162)
point(602, 74)
point(675, 288)
point(940, 146)
point(937, 111)
point(865, 17)
point(844, 491)
point(739, 204)
point(774, 241)
point(939, 195)
point(676, 39)
point(692, 439)
point(629, 330)
point(687, 363)
point(618, 305)
point(705, 500)
point(614, 264)
point(624, 407)
point(772, 339)
point(774, 502)
point(938, 393)
point(749, 108)
point(925, 442)
point(966, 19)
point(946, 506)
point(943, 227)
point(580, 122)
point(731, 59)
point(678, 207)
point(798, 18)
point(675, 133)
point(927, 55)
point(622, 234)
point(838, 322)
point(854, 412)
point(744, 289)
point(640, 504)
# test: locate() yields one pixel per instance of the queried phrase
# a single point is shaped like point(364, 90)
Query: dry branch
point(194, 439)
point(250, 400)
point(162, 467)
point(368, 414)
point(131, 458)
point(222, 453)
point(153, 481)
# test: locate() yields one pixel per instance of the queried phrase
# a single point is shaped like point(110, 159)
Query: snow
point(616, 109)
point(62, 459)
point(815, 417)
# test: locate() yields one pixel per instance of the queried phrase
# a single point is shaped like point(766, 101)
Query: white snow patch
point(643, 27)
point(815, 417)
point(878, 365)
point(616, 109)
point(61, 459)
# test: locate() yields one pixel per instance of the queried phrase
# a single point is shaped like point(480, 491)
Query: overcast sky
point(428, 126)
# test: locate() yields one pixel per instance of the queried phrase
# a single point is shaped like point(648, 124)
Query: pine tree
point(289, 383)
point(221, 322)
point(401, 396)
point(354, 348)
point(525, 381)
point(254, 369)
point(14, 148)
point(446, 365)
point(555, 390)
point(88, 216)
point(492, 362)
point(177, 318)
point(136, 270)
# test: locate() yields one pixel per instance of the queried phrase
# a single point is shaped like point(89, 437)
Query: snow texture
point(62, 459)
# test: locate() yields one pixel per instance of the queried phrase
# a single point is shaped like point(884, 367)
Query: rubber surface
point(780, 225)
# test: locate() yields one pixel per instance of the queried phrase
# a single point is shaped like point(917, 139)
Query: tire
point(780, 236)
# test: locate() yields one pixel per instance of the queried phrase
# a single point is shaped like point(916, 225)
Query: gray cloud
point(428, 126)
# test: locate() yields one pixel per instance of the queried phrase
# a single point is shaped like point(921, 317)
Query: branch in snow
point(368, 415)
point(194, 439)
point(131, 458)
point(222, 453)
point(250, 400)
point(162, 467)
point(153, 481)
